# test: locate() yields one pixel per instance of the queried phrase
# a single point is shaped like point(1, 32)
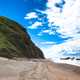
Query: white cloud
point(56, 50)
point(35, 25)
point(68, 20)
point(50, 3)
point(48, 43)
point(31, 15)
point(50, 32)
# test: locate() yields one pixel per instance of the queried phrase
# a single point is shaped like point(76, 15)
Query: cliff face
point(15, 41)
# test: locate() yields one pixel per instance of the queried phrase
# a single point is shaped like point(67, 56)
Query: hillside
point(15, 41)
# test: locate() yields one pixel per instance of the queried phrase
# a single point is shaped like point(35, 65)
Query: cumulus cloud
point(50, 32)
point(31, 15)
point(60, 49)
point(35, 25)
point(68, 20)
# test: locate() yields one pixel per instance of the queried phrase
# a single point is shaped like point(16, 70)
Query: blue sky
point(54, 25)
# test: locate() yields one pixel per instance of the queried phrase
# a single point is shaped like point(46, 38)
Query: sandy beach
point(36, 69)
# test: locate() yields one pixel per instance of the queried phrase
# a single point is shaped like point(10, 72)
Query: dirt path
point(37, 70)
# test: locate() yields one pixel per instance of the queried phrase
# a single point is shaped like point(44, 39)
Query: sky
point(54, 25)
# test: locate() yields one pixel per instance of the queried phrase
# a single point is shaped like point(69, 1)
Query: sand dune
point(35, 69)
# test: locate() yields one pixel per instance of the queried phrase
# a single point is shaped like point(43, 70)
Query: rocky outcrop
point(67, 58)
point(15, 41)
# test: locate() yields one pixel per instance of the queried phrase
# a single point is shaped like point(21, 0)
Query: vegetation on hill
point(15, 41)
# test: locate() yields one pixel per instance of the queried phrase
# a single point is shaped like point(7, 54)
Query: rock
point(67, 58)
point(15, 42)
point(77, 58)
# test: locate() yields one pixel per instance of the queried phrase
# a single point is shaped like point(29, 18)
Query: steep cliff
point(15, 41)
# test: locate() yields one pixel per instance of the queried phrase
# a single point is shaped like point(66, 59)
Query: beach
point(37, 69)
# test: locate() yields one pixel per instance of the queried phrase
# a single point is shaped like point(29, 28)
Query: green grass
point(4, 43)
